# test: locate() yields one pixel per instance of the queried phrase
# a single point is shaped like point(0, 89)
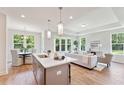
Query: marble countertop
point(50, 62)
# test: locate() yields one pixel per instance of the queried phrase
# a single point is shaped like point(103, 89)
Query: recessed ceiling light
point(23, 16)
point(71, 17)
point(83, 25)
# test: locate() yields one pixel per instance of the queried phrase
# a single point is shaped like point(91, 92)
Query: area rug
point(100, 67)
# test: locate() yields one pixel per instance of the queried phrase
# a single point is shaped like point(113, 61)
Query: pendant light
point(48, 31)
point(60, 24)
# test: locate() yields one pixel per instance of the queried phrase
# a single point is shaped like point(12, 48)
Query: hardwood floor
point(109, 76)
point(23, 75)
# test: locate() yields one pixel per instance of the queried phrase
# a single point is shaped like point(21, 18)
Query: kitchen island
point(48, 71)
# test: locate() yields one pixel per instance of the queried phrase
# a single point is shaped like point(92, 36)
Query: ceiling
point(95, 18)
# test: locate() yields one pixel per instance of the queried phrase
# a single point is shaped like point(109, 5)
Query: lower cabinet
point(57, 75)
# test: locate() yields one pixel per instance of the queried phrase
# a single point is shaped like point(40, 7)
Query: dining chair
point(28, 59)
point(16, 59)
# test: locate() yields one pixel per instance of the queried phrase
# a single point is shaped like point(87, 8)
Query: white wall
point(105, 39)
point(3, 66)
point(37, 37)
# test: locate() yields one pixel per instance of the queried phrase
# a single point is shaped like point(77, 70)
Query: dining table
point(24, 54)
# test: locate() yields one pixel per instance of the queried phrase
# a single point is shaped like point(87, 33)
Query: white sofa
point(89, 61)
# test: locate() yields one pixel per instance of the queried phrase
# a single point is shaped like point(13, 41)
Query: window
point(21, 41)
point(62, 44)
point(118, 43)
point(30, 41)
point(68, 44)
point(18, 41)
point(57, 45)
point(83, 42)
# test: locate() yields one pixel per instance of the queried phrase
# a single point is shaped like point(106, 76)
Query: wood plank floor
point(113, 75)
point(21, 75)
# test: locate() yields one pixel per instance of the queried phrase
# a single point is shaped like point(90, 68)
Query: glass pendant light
point(60, 24)
point(48, 31)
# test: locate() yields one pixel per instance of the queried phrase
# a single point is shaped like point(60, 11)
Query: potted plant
point(23, 49)
point(48, 52)
point(76, 45)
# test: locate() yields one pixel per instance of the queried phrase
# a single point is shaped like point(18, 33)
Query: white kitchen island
point(48, 71)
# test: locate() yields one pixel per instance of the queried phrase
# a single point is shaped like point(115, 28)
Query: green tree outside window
point(19, 41)
point(118, 43)
point(83, 42)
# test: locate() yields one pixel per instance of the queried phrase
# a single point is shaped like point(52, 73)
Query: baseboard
point(118, 62)
point(5, 73)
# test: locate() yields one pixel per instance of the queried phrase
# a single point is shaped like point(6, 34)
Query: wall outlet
point(59, 73)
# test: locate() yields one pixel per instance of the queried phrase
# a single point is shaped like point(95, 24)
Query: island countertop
point(50, 62)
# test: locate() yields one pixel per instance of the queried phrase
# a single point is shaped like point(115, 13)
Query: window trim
point(60, 38)
point(80, 44)
point(68, 44)
point(116, 43)
point(24, 42)
point(17, 43)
